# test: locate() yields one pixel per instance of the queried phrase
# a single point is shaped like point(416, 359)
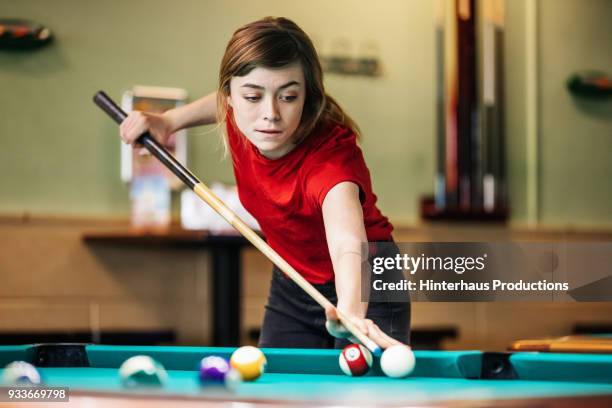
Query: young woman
point(301, 174)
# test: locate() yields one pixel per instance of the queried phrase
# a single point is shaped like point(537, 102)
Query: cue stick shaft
point(202, 191)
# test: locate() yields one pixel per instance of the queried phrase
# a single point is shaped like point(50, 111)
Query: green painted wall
point(516, 94)
point(576, 134)
point(60, 155)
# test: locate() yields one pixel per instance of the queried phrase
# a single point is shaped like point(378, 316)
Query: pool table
point(306, 377)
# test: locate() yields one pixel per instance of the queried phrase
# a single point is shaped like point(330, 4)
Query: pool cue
point(202, 191)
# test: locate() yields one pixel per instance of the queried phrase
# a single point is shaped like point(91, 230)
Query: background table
point(226, 270)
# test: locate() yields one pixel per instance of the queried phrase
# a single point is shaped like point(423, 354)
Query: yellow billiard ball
point(249, 361)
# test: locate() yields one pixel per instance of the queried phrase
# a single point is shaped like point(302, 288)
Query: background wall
point(60, 155)
point(64, 153)
point(576, 134)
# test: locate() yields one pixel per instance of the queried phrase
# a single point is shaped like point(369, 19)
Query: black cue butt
point(107, 105)
point(118, 115)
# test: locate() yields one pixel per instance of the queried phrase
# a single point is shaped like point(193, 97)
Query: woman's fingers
point(366, 326)
point(129, 126)
point(379, 336)
point(137, 123)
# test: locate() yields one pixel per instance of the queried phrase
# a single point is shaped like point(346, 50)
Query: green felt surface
point(329, 387)
point(313, 375)
point(563, 366)
point(458, 364)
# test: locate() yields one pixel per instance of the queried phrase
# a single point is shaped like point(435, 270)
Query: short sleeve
point(326, 177)
point(337, 160)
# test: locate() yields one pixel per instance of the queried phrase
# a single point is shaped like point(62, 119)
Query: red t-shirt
point(286, 195)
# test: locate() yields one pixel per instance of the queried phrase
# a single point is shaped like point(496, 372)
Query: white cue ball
point(397, 361)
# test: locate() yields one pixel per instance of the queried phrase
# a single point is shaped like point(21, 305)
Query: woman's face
point(267, 105)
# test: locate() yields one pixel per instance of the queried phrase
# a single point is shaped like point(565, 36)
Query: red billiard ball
point(355, 360)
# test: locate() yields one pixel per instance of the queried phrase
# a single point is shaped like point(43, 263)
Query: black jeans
point(294, 320)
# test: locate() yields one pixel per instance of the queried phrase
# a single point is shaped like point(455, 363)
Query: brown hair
point(274, 42)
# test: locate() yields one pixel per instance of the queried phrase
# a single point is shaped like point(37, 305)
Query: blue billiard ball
point(20, 373)
point(216, 371)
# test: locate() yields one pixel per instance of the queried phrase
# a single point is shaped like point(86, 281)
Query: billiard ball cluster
point(246, 364)
point(396, 361)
